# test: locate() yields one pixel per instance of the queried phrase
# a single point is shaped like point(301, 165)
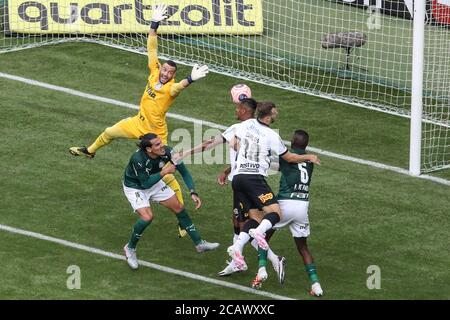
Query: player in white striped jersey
point(239, 215)
point(255, 143)
point(244, 110)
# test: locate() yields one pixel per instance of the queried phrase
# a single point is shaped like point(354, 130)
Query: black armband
point(194, 193)
point(189, 79)
point(154, 25)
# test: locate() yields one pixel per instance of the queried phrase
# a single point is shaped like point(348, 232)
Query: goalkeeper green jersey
point(295, 179)
point(142, 171)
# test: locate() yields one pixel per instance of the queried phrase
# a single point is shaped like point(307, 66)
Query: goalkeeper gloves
point(197, 72)
point(159, 14)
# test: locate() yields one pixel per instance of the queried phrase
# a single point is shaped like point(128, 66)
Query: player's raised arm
point(205, 145)
point(277, 147)
point(298, 158)
point(159, 14)
point(197, 73)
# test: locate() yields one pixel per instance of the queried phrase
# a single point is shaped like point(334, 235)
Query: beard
point(163, 81)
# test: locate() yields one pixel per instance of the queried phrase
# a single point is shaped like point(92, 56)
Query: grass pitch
point(360, 216)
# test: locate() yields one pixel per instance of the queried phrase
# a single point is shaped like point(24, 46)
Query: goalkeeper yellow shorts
point(134, 128)
point(128, 127)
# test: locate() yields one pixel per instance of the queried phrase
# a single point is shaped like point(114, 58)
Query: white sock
point(241, 241)
point(272, 257)
point(264, 226)
point(270, 254)
point(261, 271)
point(254, 244)
point(235, 237)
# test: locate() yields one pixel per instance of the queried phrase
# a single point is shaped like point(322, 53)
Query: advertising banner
point(133, 16)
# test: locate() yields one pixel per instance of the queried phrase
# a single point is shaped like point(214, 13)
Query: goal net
point(355, 51)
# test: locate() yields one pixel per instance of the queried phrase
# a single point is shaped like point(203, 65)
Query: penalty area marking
point(143, 263)
point(215, 125)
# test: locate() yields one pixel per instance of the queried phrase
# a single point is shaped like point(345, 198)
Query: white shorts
point(141, 198)
point(295, 215)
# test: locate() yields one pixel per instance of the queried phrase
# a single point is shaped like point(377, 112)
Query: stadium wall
point(437, 11)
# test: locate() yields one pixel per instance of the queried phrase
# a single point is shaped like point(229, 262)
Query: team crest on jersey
point(265, 197)
point(158, 86)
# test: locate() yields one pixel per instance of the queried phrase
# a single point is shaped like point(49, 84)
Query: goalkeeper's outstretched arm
point(197, 72)
point(159, 14)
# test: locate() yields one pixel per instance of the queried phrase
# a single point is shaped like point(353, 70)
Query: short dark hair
point(264, 109)
point(249, 103)
point(300, 139)
point(172, 64)
point(146, 140)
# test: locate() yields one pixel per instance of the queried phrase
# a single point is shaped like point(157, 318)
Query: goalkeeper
point(160, 92)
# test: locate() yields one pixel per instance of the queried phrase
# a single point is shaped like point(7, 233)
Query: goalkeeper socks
point(312, 272)
point(138, 229)
point(107, 136)
point(262, 257)
point(101, 141)
point(186, 223)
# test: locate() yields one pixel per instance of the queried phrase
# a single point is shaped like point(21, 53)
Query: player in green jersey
point(293, 198)
point(143, 183)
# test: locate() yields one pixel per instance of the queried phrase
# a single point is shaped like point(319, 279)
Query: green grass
point(290, 53)
point(360, 216)
point(46, 277)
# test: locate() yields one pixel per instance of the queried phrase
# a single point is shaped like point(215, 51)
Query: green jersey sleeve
point(187, 177)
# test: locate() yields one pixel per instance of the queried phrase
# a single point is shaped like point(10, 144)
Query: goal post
point(361, 52)
point(415, 140)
